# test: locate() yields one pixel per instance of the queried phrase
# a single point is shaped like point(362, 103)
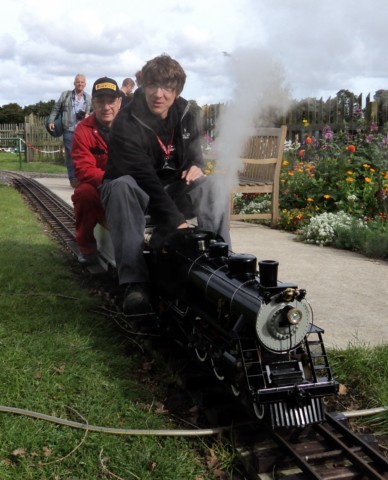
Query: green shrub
point(371, 241)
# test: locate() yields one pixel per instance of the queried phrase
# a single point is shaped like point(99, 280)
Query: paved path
point(348, 292)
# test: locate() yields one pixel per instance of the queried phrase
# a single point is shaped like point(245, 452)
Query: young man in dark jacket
point(90, 154)
point(155, 166)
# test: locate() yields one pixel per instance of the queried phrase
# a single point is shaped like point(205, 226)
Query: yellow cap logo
point(111, 86)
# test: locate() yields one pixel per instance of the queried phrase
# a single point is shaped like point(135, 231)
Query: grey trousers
point(125, 205)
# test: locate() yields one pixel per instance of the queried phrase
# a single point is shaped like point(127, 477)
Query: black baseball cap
point(105, 86)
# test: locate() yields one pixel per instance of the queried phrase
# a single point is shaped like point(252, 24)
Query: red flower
point(301, 153)
point(308, 140)
point(351, 148)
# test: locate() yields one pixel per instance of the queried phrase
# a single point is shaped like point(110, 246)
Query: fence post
point(28, 121)
point(19, 141)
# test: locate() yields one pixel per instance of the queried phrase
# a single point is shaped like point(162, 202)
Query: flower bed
point(339, 172)
point(334, 189)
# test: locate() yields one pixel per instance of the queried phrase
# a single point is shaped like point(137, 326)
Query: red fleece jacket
point(89, 152)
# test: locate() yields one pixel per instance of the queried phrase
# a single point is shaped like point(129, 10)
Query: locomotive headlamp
point(282, 327)
point(294, 316)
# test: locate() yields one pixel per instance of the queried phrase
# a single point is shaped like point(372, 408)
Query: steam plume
point(259, 92)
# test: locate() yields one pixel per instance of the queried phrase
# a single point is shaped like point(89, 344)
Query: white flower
point(321, 229)
point(291, 146)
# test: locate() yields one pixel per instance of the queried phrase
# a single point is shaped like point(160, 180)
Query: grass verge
point(58, 358)
point(14, 162)
point(363, 370)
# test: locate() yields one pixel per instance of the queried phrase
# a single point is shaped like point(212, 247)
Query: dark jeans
point(125, 205)
point(67, 139)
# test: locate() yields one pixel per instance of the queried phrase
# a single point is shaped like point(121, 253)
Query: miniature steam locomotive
point(255, 332)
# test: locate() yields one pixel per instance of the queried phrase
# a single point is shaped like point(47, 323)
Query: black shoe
point(137, 299)
point(87, 260)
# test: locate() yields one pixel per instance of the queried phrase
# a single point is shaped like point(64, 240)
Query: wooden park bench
point(260, 171)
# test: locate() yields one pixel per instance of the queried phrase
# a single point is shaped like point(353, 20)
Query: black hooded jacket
point(135, 150)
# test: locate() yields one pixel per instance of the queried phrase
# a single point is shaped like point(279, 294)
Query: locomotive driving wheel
point(259, 410)
point(235, 390)
point(199, 348)
point(214, 359)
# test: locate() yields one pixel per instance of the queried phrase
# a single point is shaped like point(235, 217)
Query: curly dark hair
point(163, 70)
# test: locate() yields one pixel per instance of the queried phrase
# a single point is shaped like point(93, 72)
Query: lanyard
point(167, 150)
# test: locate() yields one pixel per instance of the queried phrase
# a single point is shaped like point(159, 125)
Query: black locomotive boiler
point(255, 332)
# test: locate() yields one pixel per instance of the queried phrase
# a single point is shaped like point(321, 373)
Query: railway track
point(331, 451)
point(57, 213)
point(327, 451)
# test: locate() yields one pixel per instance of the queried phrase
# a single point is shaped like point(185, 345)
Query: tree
point(197, 111)
point(41, 109)
point(345, 104)
point(381, 97)
point(14, 113)
point(11, 113)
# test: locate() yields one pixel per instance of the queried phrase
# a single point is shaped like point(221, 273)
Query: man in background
point(75, 105)
point(126, 91)
point(90, 154)
point(138, 78)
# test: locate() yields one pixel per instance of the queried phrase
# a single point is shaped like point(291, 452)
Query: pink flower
point(327, 133)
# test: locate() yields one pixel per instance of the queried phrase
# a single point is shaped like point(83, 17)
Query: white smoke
point(260, 91)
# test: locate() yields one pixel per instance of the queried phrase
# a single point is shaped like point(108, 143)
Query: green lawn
point(12, 161)
point(60, 359)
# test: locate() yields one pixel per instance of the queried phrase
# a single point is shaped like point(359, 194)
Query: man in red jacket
point(90, 154)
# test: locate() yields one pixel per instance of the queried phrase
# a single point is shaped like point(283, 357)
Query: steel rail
point(336, 443)
point(57, 213)
point(379, 461)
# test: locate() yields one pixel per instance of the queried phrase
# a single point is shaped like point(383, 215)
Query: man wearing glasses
point(90, 153)
point(155, 167)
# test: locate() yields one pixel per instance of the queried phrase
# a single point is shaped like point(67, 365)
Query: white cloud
point(323, 47)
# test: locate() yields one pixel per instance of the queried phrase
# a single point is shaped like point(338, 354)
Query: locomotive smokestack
point(268, 271)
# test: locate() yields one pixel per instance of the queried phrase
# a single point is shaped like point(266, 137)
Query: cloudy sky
point(319, 47)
